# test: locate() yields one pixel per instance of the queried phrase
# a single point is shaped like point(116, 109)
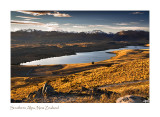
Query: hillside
point(34, 45)
point(54, 37)
point(128, 66)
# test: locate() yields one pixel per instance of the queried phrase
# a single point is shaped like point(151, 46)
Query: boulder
point(38, 94)
point(30, 96)
point(48, 90)
point(130, 99)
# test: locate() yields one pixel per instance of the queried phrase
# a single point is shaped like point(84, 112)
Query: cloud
point(38, 13)
point(52, 26)
point(119, 26)
point(67, 24)
point(134, 23)
point(129, 28)
point(25, 22)
point(126, 24)
point(79, 26)
point(27, 18)
point(122, 24)
point(95, 25)
point(137, 13)
point(141, 20)
point(35, 13)
point(57, 14)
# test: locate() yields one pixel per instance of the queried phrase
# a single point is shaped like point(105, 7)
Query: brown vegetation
point(128, 65)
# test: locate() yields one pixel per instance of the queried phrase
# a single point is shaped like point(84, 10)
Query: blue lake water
point(80, 57)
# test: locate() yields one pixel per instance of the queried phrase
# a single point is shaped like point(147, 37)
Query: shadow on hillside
point(80, 69)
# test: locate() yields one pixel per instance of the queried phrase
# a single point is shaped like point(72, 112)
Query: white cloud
point(110, 27)
point(141, 20)
point(25, 22)
point(52, 26)
point(79, 26)
point(134, 23)
point(27, 18)
point(38, 13)
point(122, 24)
point(57, 14)
point(130, 28)
point(137, 13)
point(95, 25)
point(67, 24)
point(35, 25)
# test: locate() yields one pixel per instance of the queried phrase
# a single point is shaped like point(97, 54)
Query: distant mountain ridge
point(32, 36)
point(34, 30)
point(93, 31)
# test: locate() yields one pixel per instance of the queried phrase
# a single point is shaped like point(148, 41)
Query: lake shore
point(56, 73)
point(26, 54)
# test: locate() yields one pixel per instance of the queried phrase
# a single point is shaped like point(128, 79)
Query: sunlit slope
point(128, 71)
point(127, 65)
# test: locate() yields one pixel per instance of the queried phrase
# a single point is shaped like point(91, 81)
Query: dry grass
point(128, 65)
point(147, 45)
point(137, 89)
point(129, 71)
point(57, 45)
point(23, 92)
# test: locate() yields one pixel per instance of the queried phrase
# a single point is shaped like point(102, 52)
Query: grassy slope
point(130, 71)
point(128, 65)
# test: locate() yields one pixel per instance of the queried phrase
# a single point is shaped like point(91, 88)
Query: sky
point(80, 21)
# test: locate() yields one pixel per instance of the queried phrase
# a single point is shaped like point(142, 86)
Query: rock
point(48, 90)
point(130, 99)
point(30, 96)
point(44, 88)
point(38, 94)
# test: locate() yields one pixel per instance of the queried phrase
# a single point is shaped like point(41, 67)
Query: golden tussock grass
point(129, 65)
point(130, 71)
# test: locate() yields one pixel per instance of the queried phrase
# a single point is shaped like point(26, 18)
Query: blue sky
point(107, 21)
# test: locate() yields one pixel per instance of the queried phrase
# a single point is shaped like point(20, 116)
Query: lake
point(80, 57)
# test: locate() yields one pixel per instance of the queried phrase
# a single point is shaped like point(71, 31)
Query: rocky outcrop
point(130, 99)
point(46, 90)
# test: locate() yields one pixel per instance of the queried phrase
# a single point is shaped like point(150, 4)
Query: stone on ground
point(130, 99)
